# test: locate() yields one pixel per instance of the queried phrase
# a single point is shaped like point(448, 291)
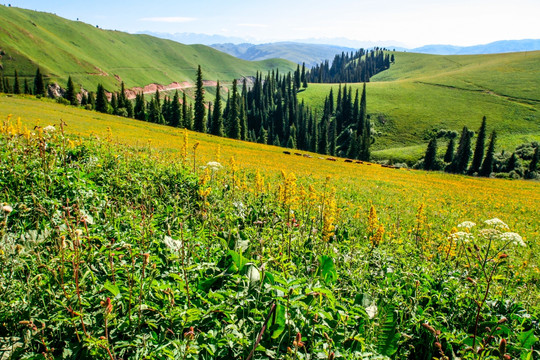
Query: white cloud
point(171, 19)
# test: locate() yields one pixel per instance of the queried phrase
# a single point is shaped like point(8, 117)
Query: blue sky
point(412, 23)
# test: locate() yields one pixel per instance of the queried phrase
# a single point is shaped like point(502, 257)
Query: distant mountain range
point(314, 51)
point(311, 54)
point(503, 46)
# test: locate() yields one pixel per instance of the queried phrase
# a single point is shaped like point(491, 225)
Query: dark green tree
point(7, 86)
point(199, 124)
point(531, 172)
point(430, 159)
point(233, 121)
point(479, 148)
point(487, 166)
point(176, 111)
point(70, 94)
point(463, 154)
point(217, 119)
point(449, 155)
point(140, 109)
point(39, 85)
point(27, 88)
point(16, 85)
point(102, 104)
point(512, 163)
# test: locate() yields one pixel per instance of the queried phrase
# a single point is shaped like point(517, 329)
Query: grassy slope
point(395, 192)
point(90, 55)
point(421, 92)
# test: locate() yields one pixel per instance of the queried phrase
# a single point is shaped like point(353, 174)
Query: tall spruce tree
point(449, 155)
point(463, 154)
point(102, 104)
point(16, 85)
point(139, 109)
point(487, 165)
point(27, 88)
point(233, 121)
point(199, 123)
point(217, 119)
point(176, 111)
point(479, 148)
point(430, 159)
point(39, 85)
point(70, 94)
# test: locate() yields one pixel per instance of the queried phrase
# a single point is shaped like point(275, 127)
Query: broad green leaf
point(279, 325)
point(527, 339)
point(327, 269)
point(113, 289)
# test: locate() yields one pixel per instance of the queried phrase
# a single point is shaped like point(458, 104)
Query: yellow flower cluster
point(375, 229)
point(329, 216)
point(287, 189)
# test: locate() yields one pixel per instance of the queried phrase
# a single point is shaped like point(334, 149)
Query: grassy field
point(424, 92)
point(120, 239)
point(91, 55)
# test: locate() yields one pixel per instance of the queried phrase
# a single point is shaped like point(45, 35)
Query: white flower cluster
point(513, 237)
point(49, 129)
point(467, 224)
point(172, 244)
point(496, 223)
point(213, 165)
point(462, 236)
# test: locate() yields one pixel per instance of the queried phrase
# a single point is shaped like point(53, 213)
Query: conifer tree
point(209, 118)
point(39, 85)
point(449, 155)
point(233, 121)
point(1, 83)
point(297, 77)
point(430, 159)
point(129, 109)
point(303, 76)
point(27, 88)
point(487, 165)
point(176, 111)
point(70, 94)
point(199, 124)
point(16, 85)
point(139, 109)
point(217, 119)
point(92, 100)
point(114, 103)
point(461, 159)
point(479, 148)
point(122, 98)
point(512, 163)
point(102, 104)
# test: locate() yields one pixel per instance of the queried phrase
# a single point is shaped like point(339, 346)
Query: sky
point(409, 23)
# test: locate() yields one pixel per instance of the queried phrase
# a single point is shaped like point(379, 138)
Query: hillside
point(91, 55)
point(421, 92)
point(496, 47)
point(311, 54)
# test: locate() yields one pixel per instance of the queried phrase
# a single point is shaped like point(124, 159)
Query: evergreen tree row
point(484, 161)
point(352, 67)
point(24, 86)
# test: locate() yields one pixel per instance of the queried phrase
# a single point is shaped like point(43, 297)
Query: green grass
point(423, 92)
point(90, 55)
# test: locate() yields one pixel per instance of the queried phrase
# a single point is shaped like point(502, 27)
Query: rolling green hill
point(421, 92)
point(91, 55)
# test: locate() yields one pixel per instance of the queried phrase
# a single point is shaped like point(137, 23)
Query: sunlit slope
point(398, 191)
point(424, 92)
point(91, 55)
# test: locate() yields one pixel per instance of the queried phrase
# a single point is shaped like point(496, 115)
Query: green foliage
point(199, 123)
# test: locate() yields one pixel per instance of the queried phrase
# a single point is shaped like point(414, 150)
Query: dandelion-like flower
point(513, 237)
point(7, 209)
point(467, 225)
point(496, 222)
point(371, 311)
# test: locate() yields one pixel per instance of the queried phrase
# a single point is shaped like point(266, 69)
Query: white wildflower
point(513, 237)
point(467, 224)
point(172, 244)
point(49, 128)
point(213, 165)
point(371, 311)
point(253, 274)
point(7, 209)
point(496, 222)
point(462, 236)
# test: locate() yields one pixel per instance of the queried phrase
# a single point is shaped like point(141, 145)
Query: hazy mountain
point(503, 46)
point(311, 54)
point(192, 38)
